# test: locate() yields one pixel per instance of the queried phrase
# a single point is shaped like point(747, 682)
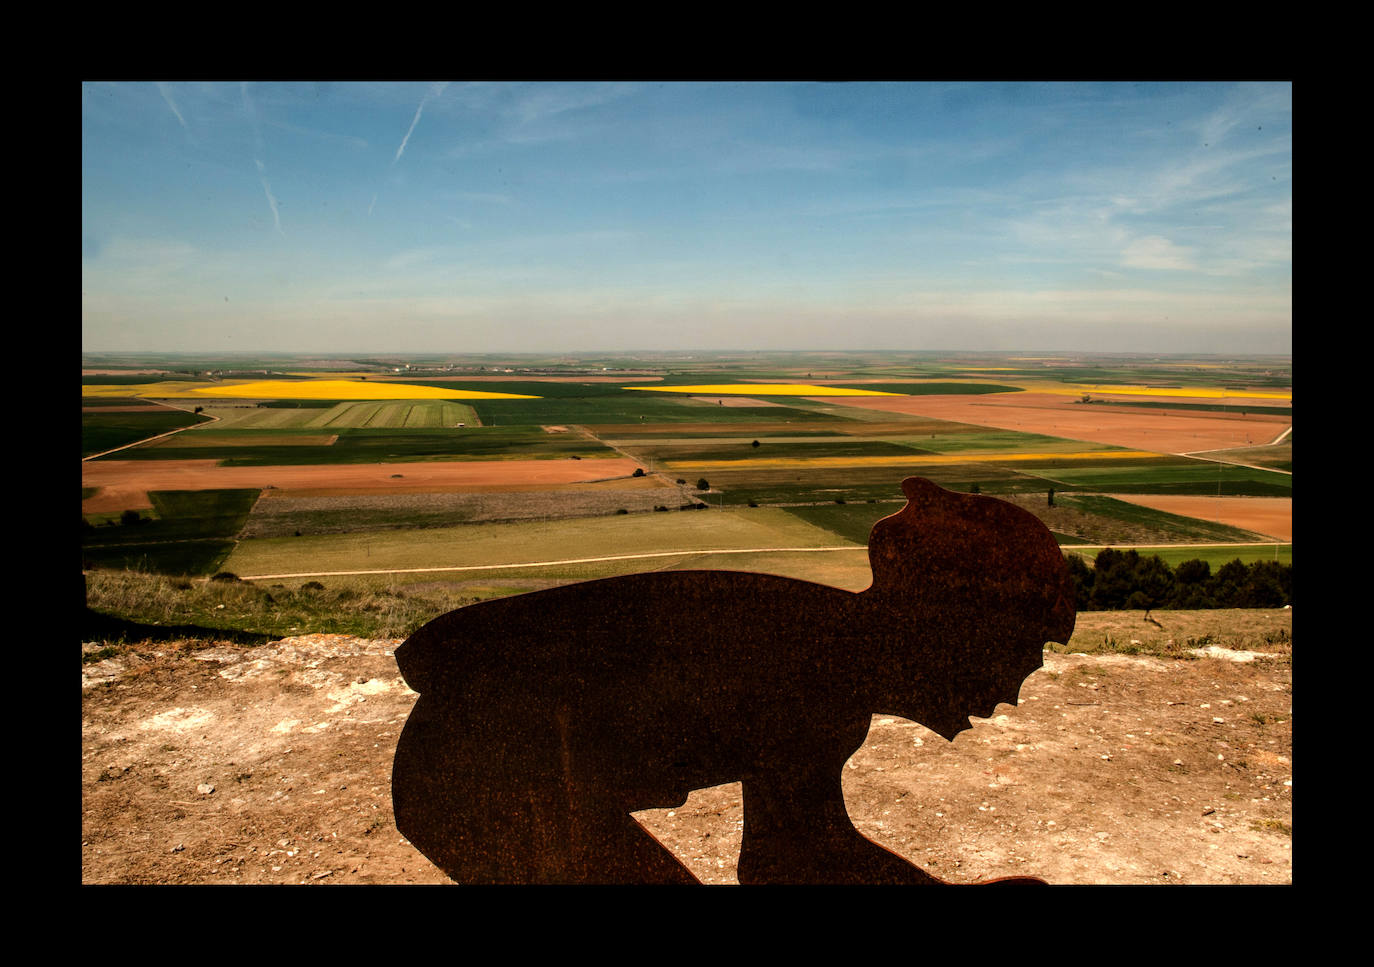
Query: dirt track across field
point(1164, 431)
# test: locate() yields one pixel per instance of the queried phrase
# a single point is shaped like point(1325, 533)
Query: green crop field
point(214, 437)
point(819, 475)
point(350, 446)
point(657, 408)
point(1236, 406)
point(103, 430)
point(1194, 477)
point(394, 414)
point(743, 451)
point(1174, 555)
point(1005, 441)
point(189, 532)
point(852, 522)
point(188, 558)
point(248, 417)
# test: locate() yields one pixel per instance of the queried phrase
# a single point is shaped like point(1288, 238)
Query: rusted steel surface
point(546, 718)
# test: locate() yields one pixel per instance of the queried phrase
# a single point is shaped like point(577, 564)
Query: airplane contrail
point(434, 92)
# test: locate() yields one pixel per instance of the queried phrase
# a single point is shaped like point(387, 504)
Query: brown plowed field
point(125, 483)
point(1164, 431)
point(1263, 515)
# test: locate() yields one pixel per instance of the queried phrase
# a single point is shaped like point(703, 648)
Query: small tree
point(703, 484)
point(755, 443)
point(639, 472)
point(1051, 496)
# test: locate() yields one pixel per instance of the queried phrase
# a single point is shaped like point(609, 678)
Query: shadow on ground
point(96, 626)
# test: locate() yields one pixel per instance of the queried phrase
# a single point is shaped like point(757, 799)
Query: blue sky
point(555, 217)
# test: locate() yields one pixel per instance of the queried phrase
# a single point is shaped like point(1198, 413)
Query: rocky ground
point(211, 762)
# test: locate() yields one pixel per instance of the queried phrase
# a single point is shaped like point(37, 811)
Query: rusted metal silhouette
point(545, 719)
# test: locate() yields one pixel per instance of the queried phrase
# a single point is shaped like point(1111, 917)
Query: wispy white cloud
point(411, 258)
point(349, 139)
point(546, 101)
point(1156, 252)
point(271, 199)
point(1246, 107)
point(166, 92)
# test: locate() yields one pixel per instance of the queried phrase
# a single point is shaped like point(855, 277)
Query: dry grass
point(278, 609)
point(1173, 634)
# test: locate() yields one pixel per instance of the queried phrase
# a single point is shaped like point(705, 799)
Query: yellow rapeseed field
point(170, 389)
point(281, 389)
point(763, 389)
point(781, 463)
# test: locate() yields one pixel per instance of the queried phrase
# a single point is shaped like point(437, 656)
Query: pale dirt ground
point(233, 764)
point(1164, 431)
point(1263, 515)
point(124, 482)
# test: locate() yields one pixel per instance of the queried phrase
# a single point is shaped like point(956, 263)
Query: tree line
point(1124, 580)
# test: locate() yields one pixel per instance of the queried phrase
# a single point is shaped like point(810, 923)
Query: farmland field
point(490, 462)
point(1136, 427)
point(372, 445)
point(185, 532)
point(531, 542)
point(114, 424)
point(1269, 516)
